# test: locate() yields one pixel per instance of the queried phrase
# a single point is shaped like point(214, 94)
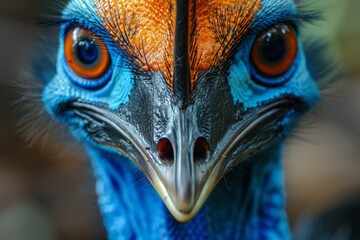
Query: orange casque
point(145, 29)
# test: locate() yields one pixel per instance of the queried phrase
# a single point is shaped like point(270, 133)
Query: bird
point(183, 108)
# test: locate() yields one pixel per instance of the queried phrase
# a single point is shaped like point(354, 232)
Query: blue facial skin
point(252, 209)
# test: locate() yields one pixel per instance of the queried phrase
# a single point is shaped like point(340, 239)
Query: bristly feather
point(327, 69)
point(33, 120)
point(50, 13)
point(83, 14)
point(36, 123)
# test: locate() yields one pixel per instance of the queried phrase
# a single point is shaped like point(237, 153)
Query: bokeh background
point(47, 193)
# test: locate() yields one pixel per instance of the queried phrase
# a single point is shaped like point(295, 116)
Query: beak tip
point(181, 211)
point(182, 216)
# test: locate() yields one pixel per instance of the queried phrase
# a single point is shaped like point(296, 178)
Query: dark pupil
point(87, 51)
point(274, 47)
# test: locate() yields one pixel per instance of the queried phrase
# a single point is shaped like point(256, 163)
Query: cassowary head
point(183, 90)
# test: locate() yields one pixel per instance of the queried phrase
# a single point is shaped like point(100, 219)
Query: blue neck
point(247, 204)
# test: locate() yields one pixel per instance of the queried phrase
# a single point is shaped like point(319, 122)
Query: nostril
point(201, 150)
point(165, 151)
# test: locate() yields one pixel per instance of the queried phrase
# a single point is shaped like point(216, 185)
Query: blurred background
point(49, 194)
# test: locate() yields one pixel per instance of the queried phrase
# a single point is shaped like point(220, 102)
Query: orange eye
point(274, 51)
point(86, 54)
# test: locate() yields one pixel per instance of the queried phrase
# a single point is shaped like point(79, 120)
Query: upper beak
point(182, 166)
point(184, 156)
point(189, 168)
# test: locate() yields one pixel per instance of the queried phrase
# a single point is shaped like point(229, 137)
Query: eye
point(87, 56)
point(273, 54)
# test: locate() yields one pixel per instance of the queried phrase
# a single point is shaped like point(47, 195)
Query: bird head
point(186, 90)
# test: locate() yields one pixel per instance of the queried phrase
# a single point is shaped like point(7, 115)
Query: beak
point(181, 164)
point(184, 154)
point(194, 168)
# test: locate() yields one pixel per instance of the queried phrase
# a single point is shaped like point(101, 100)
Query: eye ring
point(273, 54)
point(87, 57)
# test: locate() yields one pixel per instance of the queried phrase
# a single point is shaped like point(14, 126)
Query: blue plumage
point(219, 169)
point(240, 208)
